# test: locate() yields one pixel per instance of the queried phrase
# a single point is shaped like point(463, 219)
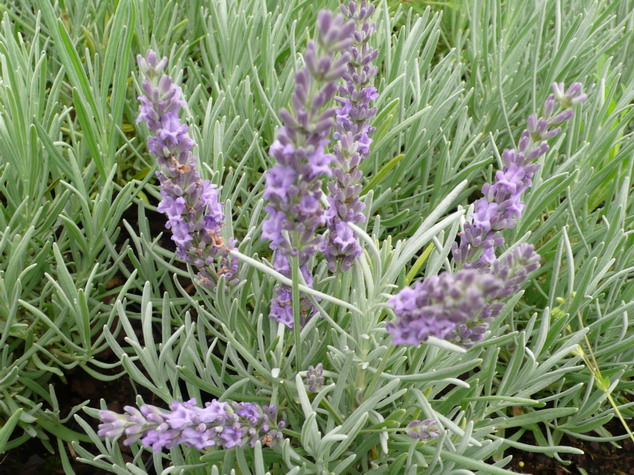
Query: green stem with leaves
point(603, 383)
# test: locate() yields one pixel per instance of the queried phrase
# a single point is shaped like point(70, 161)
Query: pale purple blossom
point(438, 305)
point(315, 378)
point(219, 424)
point(353, 130)
point(501, 204)
point(191, 204)
point(423, 430)
point(293, 184)
point(459, 307)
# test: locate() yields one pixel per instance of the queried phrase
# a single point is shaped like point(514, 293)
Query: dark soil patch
point(597, 459)
point(32, 458)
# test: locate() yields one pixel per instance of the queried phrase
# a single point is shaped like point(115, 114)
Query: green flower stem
point(286, 281)
point(296, 311)
point(603, 383)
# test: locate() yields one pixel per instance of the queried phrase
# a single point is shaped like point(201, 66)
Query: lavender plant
point(89, 294)
point(60, 211)
point(382, 398)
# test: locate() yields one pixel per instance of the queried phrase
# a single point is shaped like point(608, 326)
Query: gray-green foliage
point(457, 83)
point(57, 237)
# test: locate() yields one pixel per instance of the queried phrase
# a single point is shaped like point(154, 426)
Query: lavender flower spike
point(293, 185)
point(353, 132)
point(501, 205)
point(440, 304)
point(459, 307)
point(191, 204)
point(218, 424)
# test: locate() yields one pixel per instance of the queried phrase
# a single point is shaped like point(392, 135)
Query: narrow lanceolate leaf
point(7, 429)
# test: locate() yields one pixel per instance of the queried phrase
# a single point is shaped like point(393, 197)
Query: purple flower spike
point(459, 307)
point(218, 424)
point(293, 185)
point(191, 204)
point(353, 132)
point(423, 430)
point(502, 205)
point(440, 305)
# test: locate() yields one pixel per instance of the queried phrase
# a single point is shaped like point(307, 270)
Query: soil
point(597, 459)
point(32, 458)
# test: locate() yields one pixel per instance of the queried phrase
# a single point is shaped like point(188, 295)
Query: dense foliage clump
point(375, 237)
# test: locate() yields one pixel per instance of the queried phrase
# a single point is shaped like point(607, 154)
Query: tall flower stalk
point(293, 184)
point(219, 424)
point(501, 205)
point(460, 307)
point(195, 215)
point(353, 130)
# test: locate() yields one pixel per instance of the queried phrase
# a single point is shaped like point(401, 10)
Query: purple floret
point(315, 378)
point(423, 430)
